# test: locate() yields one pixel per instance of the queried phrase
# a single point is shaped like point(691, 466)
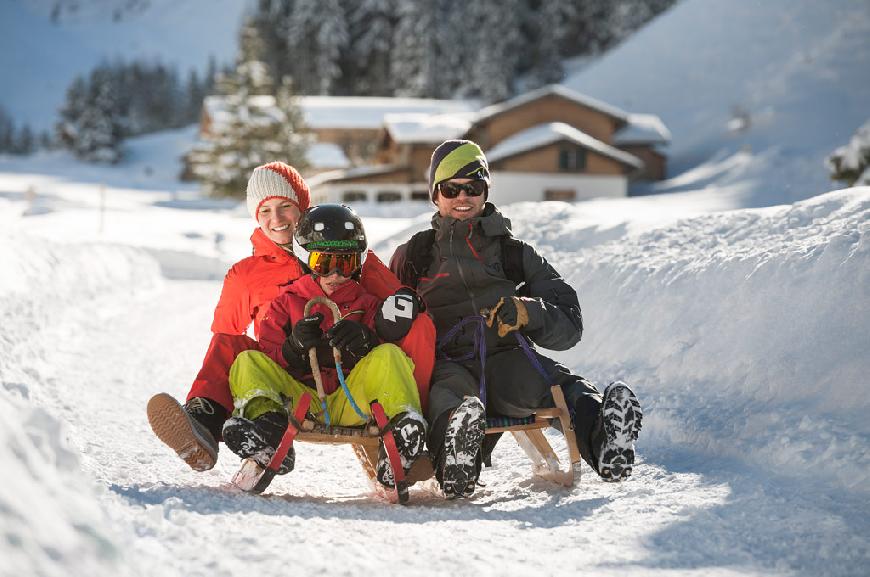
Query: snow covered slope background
point(40, 58)
point(756, 94)
point(744, 333)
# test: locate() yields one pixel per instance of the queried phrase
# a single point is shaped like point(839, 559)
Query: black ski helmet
point(331, 228)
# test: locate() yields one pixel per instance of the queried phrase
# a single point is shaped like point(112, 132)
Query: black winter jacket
point(466, 276)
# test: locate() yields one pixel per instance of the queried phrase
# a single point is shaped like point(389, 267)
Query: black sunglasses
point(452, 189)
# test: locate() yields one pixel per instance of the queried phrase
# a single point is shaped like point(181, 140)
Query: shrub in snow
point(851, 162)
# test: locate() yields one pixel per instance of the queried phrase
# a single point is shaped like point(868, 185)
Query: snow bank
point(50, 512)
point(745, 332)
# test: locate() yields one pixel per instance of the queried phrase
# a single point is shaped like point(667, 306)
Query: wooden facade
point(547, 160)
point(549, 108)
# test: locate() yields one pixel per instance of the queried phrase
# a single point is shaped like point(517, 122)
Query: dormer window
point(572, 158)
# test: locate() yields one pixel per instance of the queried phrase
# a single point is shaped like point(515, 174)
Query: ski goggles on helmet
point(326, 263)
point(449, 189)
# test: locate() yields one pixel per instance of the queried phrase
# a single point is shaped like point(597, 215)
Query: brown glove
point(510, 313)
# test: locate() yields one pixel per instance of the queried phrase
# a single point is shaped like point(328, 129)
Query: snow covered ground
point(744, 333)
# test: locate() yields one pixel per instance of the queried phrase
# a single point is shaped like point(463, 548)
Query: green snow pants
point(258, 385)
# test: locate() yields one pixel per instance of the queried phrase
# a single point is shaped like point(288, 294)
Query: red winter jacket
point(350, 297)
point(251, 284)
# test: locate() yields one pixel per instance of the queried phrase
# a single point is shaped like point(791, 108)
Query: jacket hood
point(263, 246)
point(491, 221)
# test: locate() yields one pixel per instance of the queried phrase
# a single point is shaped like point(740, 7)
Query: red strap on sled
point(290, 433)
point(389, 443)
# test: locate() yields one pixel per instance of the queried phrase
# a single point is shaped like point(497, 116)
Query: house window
point(389, 196)
point(565, 195)
point(572, 159)
point(420, 195)
point(354, 196)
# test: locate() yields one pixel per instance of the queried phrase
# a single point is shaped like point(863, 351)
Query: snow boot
point(409, 431)
point(618, 426)
point(460, 459)
point(191, 431)
point(258, 439)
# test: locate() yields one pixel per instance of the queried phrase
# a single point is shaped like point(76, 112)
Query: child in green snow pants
point(386, 373)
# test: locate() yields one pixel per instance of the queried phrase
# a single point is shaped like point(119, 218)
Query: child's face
point(331, 282)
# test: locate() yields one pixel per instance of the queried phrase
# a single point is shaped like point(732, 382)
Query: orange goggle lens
point(326, 263)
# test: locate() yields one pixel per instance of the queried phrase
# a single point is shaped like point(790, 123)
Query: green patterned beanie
point(457, 159)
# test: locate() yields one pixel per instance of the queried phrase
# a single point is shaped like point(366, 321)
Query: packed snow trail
point(92, 330)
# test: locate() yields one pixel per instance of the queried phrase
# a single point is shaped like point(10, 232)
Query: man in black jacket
point(469, 267)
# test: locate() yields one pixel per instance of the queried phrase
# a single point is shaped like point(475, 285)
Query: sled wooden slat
point(538, 424)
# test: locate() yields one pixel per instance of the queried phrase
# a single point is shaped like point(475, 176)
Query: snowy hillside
point(39, 58)
point(744, 333)
point(756, 94)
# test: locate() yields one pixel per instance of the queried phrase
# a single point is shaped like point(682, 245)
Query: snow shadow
point(181, 265)
point(768, 523)
point(206, 500)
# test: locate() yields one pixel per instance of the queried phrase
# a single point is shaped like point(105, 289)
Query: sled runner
point(365, 440)
point(529, 435)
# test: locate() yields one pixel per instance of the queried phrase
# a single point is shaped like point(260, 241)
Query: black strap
point(512, 259)
point(418, 258)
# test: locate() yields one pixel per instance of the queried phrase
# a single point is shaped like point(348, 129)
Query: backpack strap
point(512, 260)
point(418, 258)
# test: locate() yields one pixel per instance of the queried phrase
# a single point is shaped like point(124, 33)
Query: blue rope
point(532, 357)
point(346, 390)
point(479, 344)
point(325, 411)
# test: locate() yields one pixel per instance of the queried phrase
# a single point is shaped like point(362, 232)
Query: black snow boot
point(258, 439)
point(459, 463)
point(615, 432)
point(409, 431)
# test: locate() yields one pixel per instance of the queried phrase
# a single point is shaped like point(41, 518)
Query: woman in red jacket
point(276, 196)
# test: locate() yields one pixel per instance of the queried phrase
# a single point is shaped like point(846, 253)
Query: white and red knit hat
point(276, 180)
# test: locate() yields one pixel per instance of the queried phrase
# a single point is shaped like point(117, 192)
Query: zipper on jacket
point(461, 272)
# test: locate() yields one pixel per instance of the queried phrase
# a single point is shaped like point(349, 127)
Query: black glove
point(352, 338)
point(397, 314)
point(306, 333)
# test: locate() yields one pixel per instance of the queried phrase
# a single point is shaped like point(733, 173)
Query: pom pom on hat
point(276, 180)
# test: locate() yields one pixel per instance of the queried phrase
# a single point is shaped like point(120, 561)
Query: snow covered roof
point(544, 134)
point(326, 155)
point(552, 89)
point(422, 127)
point(643, 129)
point(356, 172)
point(351, 111)
point(369, 111)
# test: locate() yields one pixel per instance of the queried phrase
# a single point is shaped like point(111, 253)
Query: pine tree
point(550, 31)
point(316, 35)
point(25, 143)
point(371, 30)
point(256, 127)
point(415, 50)
point(7, 132)
point(498, 44)
point(91, 125)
